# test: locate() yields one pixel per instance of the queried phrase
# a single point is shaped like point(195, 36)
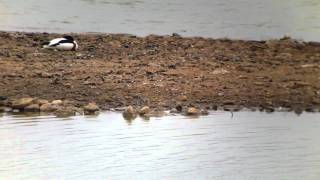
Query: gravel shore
point(116, 70)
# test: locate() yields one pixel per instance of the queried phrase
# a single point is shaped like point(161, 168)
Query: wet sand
point(117, 70)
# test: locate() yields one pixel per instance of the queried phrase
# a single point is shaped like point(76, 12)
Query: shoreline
point(163, 72)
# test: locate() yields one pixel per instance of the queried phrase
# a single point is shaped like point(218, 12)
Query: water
point(240, 19)
point(249, 145)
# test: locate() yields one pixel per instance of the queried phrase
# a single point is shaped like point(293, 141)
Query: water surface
point(249, 145)
point(241, 19)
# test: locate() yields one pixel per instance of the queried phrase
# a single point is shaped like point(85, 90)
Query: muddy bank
point(163, 71)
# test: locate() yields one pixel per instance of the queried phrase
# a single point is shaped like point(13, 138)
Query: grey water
point(247, 145)
point(237, 19)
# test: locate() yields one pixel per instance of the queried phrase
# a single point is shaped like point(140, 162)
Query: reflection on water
point(249, 145)
point(244, 19)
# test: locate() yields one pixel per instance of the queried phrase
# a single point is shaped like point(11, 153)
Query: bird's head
point(70, 38)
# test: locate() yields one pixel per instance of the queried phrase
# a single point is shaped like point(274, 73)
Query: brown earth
point(162, 71)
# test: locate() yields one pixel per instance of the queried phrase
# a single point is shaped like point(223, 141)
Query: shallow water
point(241, 19)
point(249, 145)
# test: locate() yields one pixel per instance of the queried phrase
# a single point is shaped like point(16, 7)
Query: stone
point(204, 112)
point(32, 108)
point(144, 110)
point(91, 108)
point(2, 109)
point(22, 103)
point(129, 110)
point(176, 35)
point(41, 101)
point(179, 108)
point(8, 109)
point(192, 111)
point(183, 98)
point(57, 102)
point(15, 110)
point(174, 111)
point(129, 113)
point(66, 111)
point(2, 98)
point(49, 107)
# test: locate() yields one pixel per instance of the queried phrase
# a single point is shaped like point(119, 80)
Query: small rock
point(41, 101)
point(22, 103)
point(2, 109)
point(191, 111)
point(179, 108)
point(174, 111)
point(219, 71)
point(183, 98)
point(91, 108)
point(66, 111)
point(204, 112)
point(144, 110)
point(32, 108)
point(2, 98)
point(57, 102)
point(129, 113)
point(214, 107)
point(15, 110)
point(45, 75)
point(8, 109)
point(176, 35)
point(226, 103)
point(269, 109)
point(129, 110)
point(311, 109)
point(49, 107)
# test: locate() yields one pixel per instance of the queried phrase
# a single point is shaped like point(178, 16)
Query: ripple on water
point(207, 18)
point(245, 146)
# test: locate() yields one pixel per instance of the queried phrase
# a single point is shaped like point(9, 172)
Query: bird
point(64, 43)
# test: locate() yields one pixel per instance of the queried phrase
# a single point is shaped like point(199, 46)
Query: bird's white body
point(62, 44)
point(66, 46)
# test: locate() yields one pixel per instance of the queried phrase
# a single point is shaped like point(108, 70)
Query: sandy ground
point(163, 71)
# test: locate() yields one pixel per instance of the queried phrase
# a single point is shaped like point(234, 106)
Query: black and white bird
point(64, 43)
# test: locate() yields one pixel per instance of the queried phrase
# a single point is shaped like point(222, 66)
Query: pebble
point(144, 110)
point(204, 112)
point(192, 111)
point(22, 103)
point(129, 113)
point(183, 98)
point(41, 101)
point(2, 98)
point(57, 102)
point(179, 107)
point(91, 108)
point(32, 107)
point(15, 110)
point(130, 110)
point(66, 111)
point(49, 107)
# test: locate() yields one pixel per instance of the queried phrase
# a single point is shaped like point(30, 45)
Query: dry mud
point(117, 70)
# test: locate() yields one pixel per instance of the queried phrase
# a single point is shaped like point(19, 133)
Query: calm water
point(245, 19)
point(249, 145)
